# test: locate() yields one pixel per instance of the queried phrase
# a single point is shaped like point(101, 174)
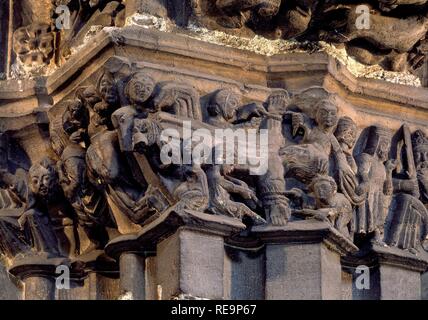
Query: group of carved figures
point(391, 33)
point(387, 32)
point(105, 176)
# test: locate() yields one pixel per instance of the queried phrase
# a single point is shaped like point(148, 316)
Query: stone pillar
point(424, 286)
point(189, 260)
point(39, 288)
point(394, 274)
point(38, 275)
point(190, 263)
point(132, 276)
point(11, 288)
point(244, 272)
point(303, 260)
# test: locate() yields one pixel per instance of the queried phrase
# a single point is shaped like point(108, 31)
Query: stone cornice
point(23, 97)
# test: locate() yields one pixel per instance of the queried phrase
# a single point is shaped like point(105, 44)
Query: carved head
point(89, 96)
point(224, 103)
point(139, 88)
point(326, 114)
point(76, 109)
point(278, 101)
point(324, 189)
point(107, 88)
point(346, 132)
point(420, 150)
point(379, 142)
point(43, 180)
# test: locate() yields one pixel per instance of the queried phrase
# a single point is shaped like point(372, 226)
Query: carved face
point(76, 109)
point(42, 181)
point(139, 89)
point(383, 148)
point(108, 89)
point(327, 115)
point(90, 96)
point(226, 103)
point(421, 159)
point(324, 191)
point(346, 132)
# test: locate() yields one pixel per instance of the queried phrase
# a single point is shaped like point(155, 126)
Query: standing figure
point(407, 224)
point(346, 134)
point(375, 173)
point(36, 221)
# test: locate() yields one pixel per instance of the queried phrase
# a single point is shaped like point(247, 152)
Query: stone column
point(132, 276)
point(244, 269)
point(189, 255)
point(303, 260)
point(190, 263)
point(392, 274)
point(38, 275)
point(39, 288)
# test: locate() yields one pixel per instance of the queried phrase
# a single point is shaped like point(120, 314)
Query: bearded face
point(42, 181)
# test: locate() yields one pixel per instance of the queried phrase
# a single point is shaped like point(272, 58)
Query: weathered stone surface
point(191, 264)
point(11, 288)
point(85, 183)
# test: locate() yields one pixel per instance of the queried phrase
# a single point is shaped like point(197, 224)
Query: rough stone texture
point(302, 271)
point(424, 286)
point(191, 263)
point(132, 276)
point(399, 284)
point(83, 184)
point(374, 290)
point(39, 288)
point(243, 271)
point(10, 290)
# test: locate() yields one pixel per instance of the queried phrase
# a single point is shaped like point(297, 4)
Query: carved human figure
point(107, 89)
point(225, 110)
point(271, 186)
point(221, 186)
point(109, 170)
point(346, 134)
point(311, 157)
point(193, 192)
point(407, 225)
point(36, 221)
point(238, 12)
point(75, 121)
point(329, 205)
point(87, 202)
point(138, 91)
point(375, 173)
